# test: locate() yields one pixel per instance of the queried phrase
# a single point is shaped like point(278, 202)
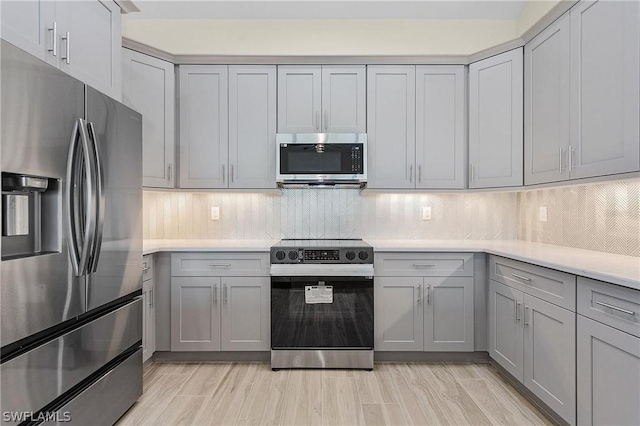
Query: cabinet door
point(440, 127)
point(344, 99)
point(391, 126)
point(605, 87)
point(608, 366)
point(246, 314)
point(495, 121)
point(550, 355)
point(299, 99)
point(546, 108)
point(398, 314)
point(448, 314)
point(148, 320)
point(195, 314)
point(505, 328)
point(149, 88)
point(204, 139)
point(29, 26)
point(92, 50)
point(252, 126)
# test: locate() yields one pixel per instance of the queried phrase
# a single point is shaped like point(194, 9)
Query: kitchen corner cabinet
point(424, 302)
point(391, 126)
point(546, 108)
point(148, 86)
point(440, 127)
point(82, 39)
point(605, 88)
point(149, 309)
point(495, 121)
point(321, 99)
point(534, 341)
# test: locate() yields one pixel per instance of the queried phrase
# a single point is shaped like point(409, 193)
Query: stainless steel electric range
point(322, 304)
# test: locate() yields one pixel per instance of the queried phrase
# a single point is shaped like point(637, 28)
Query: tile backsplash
point(603, 217)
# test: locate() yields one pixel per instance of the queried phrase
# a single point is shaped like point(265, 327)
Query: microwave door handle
point(100, 198)
point(90, 199)
point(72, 166)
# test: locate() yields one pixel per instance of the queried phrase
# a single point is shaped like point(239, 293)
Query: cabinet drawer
point(424, 264)
point(553, 286)
point(147, 267)
point(219, 264)
point(610, 304)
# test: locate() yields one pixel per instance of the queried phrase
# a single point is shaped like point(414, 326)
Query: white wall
point(532, 12)
point(320, 37)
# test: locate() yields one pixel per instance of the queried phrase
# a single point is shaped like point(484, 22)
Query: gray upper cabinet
point(505, 329)
point(195, 314)
point(344, 99)
point(608, 368)
point(550, 355)
point(440, 127)
point(149, 88)
point(546, 109)
point(495, 121)
point(29, 25)
point(391, 126)
point(448, 315)
point(398, 314)
point(245, 314)
point(321, 99)
point(252, 126)
point(299, 98)
point(605, 88)
point(204, 140)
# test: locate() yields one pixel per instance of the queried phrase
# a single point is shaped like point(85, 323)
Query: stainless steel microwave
point(321, 158)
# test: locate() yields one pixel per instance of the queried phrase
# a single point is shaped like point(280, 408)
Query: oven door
point(305, 313)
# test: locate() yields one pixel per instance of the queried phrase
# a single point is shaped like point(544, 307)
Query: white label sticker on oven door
point(318, 294)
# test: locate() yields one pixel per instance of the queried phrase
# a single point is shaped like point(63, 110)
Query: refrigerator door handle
point(72, 164)
point(90, 200)
point(99, 178)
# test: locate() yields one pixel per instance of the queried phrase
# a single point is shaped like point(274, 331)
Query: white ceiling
point(327, 9)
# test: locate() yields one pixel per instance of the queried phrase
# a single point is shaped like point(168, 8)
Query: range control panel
point(290, 252)
point(321, 254)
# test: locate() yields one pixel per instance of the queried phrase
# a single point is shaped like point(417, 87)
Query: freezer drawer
point(107, 399)
point(37, 377)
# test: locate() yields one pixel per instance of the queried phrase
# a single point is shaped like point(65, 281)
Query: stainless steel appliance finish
point(321, 159)
point(322, 304)
point(63, 303)
point(320, 358)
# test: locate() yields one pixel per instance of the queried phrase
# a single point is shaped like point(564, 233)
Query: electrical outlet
point(215, 213)
point(426, 213)
point(543, 214)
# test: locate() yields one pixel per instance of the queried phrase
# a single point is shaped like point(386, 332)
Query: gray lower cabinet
point(398, 314)
point(148, 309)
point(608, 366)
point(534, 341)
point(220, 314)
point(246, 314)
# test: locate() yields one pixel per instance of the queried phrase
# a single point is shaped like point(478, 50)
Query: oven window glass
point(334, 159)
point(346, 322)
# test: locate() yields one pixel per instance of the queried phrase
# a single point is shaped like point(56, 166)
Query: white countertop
point(613, 268)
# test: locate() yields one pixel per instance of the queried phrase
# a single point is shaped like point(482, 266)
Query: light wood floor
point(393, 394)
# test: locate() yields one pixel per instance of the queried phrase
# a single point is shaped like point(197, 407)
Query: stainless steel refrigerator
point(71, 270)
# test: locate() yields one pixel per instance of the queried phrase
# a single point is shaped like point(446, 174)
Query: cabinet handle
point(521, 277)
point(169, 177)
point(419, 172)
point(231, 172)
point(560, 161)
point(219, 265)
point(151, 297)
point(411, 173)
point(145, 270)
point(317, 120)
point(214, 295)
point(615, 308)
point(429, 294)
point(471, 177)
point(54, 48)
point(423, 265)
point(517, 306)
point(418, 288)
point(570, 159)
point(326, 120)
point(223, 173)
point(67, 39)
point(526, 316)
point(224, 294)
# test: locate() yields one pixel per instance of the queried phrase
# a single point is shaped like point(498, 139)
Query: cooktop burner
point(321, 251)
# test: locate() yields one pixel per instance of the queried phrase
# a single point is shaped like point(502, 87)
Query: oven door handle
point(322, 270)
